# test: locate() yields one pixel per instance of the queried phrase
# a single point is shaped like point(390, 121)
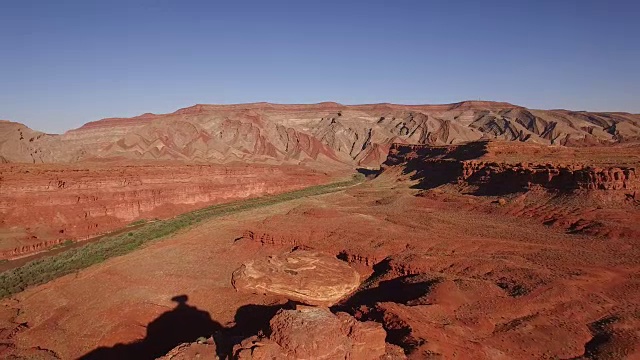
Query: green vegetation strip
point(48, 268)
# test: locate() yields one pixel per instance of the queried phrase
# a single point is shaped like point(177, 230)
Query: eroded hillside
point(325, 133)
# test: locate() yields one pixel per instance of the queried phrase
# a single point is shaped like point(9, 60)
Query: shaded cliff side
point(499, 168)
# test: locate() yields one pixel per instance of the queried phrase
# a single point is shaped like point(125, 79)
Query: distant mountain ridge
point(327, 133)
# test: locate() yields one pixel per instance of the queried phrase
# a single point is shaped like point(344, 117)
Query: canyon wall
point(44, 205)
point(493, 169)
point(550, 176)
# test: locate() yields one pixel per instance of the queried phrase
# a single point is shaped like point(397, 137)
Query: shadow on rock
point(368, 172)
point(433, 166)
point(407, 290)
point(249, 320)
point(182, 324)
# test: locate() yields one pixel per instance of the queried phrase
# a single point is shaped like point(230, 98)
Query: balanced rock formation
point(316, 333)
point(308, 277)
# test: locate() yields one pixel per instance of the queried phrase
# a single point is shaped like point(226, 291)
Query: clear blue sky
point(63, 63)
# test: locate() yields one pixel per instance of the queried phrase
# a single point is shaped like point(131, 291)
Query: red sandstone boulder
point(307, 277)
point(190, 351)
point(316, 333)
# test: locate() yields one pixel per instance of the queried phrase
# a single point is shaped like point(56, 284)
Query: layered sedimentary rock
point(325, 133)
point(590, 191)
point(307, 277)
point(494, 168)
point(563, 177)
point(316, 333)
point(41, 206)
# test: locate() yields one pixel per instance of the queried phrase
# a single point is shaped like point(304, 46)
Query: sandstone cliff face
point(549, 176)
point(326, 133)
point(41, 206)
point(484, 165)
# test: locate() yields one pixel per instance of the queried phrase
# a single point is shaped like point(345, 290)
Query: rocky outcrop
point(81, 201)
point(188, 351)
point(306, 277)
point(270, 238)
point(326, 133)
point(316, 333)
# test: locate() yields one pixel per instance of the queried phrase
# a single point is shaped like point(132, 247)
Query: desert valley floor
point(450, 274)
point(492, 248)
